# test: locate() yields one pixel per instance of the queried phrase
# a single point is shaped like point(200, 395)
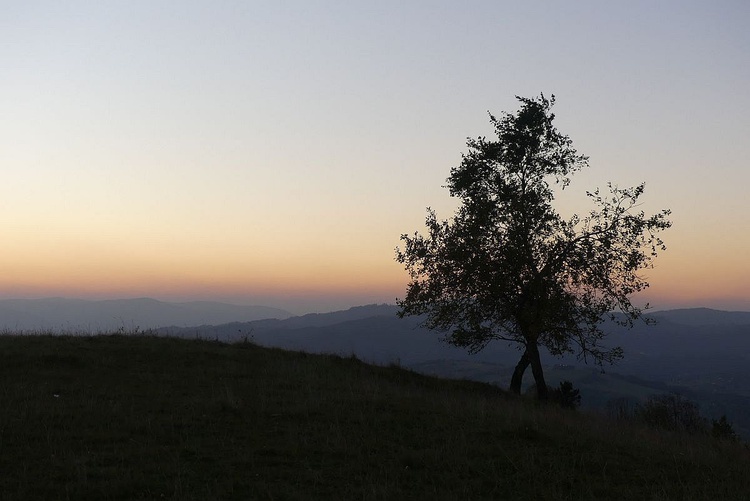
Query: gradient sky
point(272, 152)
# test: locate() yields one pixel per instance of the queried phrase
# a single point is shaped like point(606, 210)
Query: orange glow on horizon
point(91, 266)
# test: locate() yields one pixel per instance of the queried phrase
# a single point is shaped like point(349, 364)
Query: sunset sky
point(272, 152)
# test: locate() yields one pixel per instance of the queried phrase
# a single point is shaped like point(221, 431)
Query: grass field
point(139, 417)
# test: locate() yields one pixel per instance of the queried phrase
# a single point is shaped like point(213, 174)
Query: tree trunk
point(515, 382)
point(536, 368)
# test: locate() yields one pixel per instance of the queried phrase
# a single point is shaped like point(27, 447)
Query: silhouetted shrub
point(672, 412)
point(723, 430)
point(566, 396)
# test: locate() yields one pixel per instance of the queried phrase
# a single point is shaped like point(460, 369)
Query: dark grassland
point(139, 417)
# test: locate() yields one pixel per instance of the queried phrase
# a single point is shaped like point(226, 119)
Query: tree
point(508, 267)
point(723, 429)
point(566, 396)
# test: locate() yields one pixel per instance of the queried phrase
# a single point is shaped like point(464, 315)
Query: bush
point(566, 396)
point(672, 412)
point(723, 430)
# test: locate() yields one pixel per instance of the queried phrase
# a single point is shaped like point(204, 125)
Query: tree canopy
point(507, 266)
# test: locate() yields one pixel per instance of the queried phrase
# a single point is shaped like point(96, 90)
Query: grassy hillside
point(117, 417)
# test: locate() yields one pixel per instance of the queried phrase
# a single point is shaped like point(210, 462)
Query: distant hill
point(702, 317)
point(77, 315)
point(373, 333)
point(703, 354)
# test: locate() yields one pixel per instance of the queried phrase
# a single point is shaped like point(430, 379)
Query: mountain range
point(78, 315)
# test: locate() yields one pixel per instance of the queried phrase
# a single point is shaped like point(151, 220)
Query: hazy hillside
point(76, 315)
point(375, 333)
point(703, 354)
point(703, 316)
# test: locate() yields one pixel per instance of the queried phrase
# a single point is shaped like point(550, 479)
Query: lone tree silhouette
point(508, 267)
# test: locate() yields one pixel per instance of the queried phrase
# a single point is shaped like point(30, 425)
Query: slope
point(116, 417)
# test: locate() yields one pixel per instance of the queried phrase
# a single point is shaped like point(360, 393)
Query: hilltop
point(139, 417)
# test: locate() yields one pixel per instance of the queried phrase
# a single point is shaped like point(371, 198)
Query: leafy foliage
point(723, 430)
point(566, 396)
point(509, 267)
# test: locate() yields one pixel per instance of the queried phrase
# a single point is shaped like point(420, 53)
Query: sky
point(273, 152)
